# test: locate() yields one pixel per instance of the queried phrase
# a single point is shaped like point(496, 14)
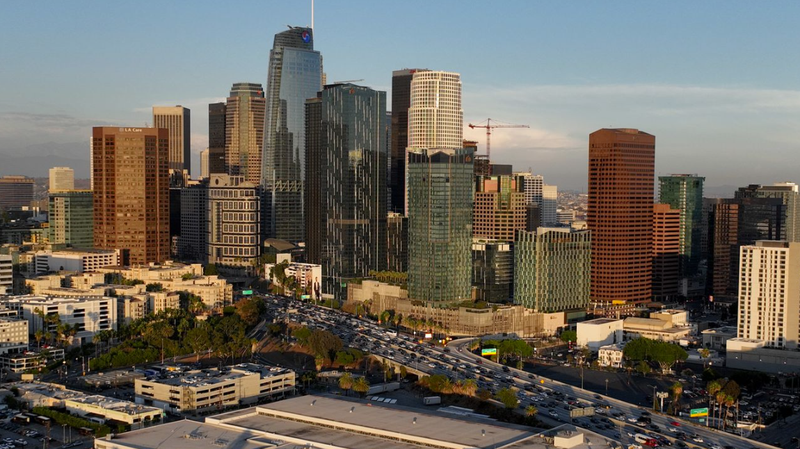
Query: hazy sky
point(717, 82)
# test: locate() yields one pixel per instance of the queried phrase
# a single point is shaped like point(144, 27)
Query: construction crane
point(489, 127)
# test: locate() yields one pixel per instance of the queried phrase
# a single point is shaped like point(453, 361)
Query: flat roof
point(210, 376)
point(104, 402)
point(601, 321)
point(184, 434)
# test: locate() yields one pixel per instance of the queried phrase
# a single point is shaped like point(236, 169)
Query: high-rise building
point(401, 101)
point(70, 216)
point(435, 116)
point(549, 205)
point(177, 120)
point(130, 173)
point(499, 210)
point(193, 241)
point(685, 193)
point(347, 156)
point(234, 222)
point(397, 242)
point(492, 270)
point(204, 164)
point(786, 191)
point(532, 186)
point(244, 131)
point(62, 178)
point(440, 191)
point(217, 137)
point(551, 269)
point(769, 293)
point(15, 192)
point(295, 75)
point(620, 216)
point(666, 252)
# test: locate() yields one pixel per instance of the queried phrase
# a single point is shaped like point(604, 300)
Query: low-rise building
point(308, 275)
point(13, 335)
point(30, 360)
point(88, 314)
point(716, 338)
point(655, 329)
point(611, 355)
point(157, 273)
point(87, 405)
point(755, 355)
point(74, 260)
point(214, 389)
point(599, 332)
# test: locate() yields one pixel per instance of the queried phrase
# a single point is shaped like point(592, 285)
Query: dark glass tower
point(346, 179)
point(295, 75)
point(685, 193)
point(401, 101)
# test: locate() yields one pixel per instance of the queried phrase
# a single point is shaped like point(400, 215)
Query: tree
point(569, 336)
point(508, 397)
point(361, 386)
point(346, 382)
point(469, 387)
point(250, 310)
point(643, 368)
point(198, 340)
point(302, 335)
point(712, 388)
point(677, 391)
point(531, 411)
point(403, 372)
point(324, 343)
point(154, 287)
point(210, 270)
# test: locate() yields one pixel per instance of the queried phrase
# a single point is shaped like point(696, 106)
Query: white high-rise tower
point(435, 117)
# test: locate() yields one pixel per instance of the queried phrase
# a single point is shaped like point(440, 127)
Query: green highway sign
point(698, 412)
point(488, 351)
point(247, 292)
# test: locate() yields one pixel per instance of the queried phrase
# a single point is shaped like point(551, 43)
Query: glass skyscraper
point(295, 75)
point(440, 195)
point(346, 179)
point(685, 193)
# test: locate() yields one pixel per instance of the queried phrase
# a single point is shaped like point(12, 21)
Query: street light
point(606, 387)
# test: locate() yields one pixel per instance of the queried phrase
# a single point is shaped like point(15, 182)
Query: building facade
point(217, 137)
point(685, 193)
point(71, 217)
point(193, 241)
point(90, 314)
point(61, 178)
point(346, 153)
point(551, 269)
point(435, 116)
point(130, 179)
point(234, 222)
point(440, 191)
point(13, 335)
point(397, 242)
point(666, 252)
point(499, 210)
point(6, 274)
point(295, 75)
point(177, 121)
point(620, 209)
point(15, 192)
point(77, 261)
point(492, 270)
point(244, 131)
point(401, 101)
point(769, 293)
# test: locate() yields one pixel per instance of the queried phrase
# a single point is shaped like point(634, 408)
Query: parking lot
point(30, 436)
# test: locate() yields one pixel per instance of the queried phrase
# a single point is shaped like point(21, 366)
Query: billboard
point(698, 412)
point(428, 335)
point(488, 351)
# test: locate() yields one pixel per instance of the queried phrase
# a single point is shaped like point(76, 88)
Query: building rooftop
point(210, 376)
point(60, 393)
point(598, 321)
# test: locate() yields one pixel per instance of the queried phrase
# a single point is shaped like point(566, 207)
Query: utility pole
point(662, 395)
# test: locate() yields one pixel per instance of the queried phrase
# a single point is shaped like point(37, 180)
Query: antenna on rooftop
point(312, 14)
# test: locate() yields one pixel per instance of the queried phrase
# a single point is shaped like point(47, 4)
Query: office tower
point(6, 274)
point(440, 187)
point(217, 136)
point(620, 216)
point(483, 167)
point(234, 222)
point(435, 116)
point(204, 164)
point(175, 214)
point(769, 293)
point(533, 217)
point(15, 192)
point(397, 242)
point(492, 270)
point(666, 252)
point(532, 185)
point(786, 191)
point(565, 217)
point(71, 217)
point(177, 120)
point(346, 173)
point(295, 75)
point(549, 205)
point(685, 193)
point(193, 241)
point(62, 178)
point(401, 101)
point(552, 269)
point(499, 210)
point(244, 131)
point(131, 192)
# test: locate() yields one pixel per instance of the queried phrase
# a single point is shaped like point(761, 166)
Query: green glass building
point(552, 269)
point(440, 195)
point(685, 193)
point(71, 218)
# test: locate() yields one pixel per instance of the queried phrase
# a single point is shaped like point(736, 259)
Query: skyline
point(715, 92)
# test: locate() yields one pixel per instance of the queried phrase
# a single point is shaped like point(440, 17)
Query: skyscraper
point(551, 269)
point(130, 173)
point(620, 216)
point(769, 293)
point(15, 191)
point(788, 192)
point(440, 187)
point(549, 205)
point(499, 210)
point(347, 156)
point(217, 126)
point(397, 242)
point(244, 131)
point(204, 164)
point(685, 193)
point(70, 217)
point(401, 101)
point(193, 241)
point(666, 252)
point(435, 116)
point(61, 178)
point(295, 75)
point(177, 120)
point(234, 222)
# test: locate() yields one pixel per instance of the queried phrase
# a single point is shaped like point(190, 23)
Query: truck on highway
point(432, 400)
point(646, 440)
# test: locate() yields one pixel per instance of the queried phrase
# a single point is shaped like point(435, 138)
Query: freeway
point(551, 397)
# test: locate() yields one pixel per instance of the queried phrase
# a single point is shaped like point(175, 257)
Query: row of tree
point(646, 350)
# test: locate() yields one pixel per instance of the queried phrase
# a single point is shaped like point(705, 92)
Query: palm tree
point(721, 396)
point(677, 391)
point(39, 335)
point(712, 388)
point(469, 387)
point(361, 386)
point(531, 411)
point(346, 382)
point(447, 386)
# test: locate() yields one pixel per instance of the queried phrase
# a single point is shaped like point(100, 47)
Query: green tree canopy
point(569, 336)
point(508, 397)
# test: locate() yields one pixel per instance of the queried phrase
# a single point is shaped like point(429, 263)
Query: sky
point(715, 81)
